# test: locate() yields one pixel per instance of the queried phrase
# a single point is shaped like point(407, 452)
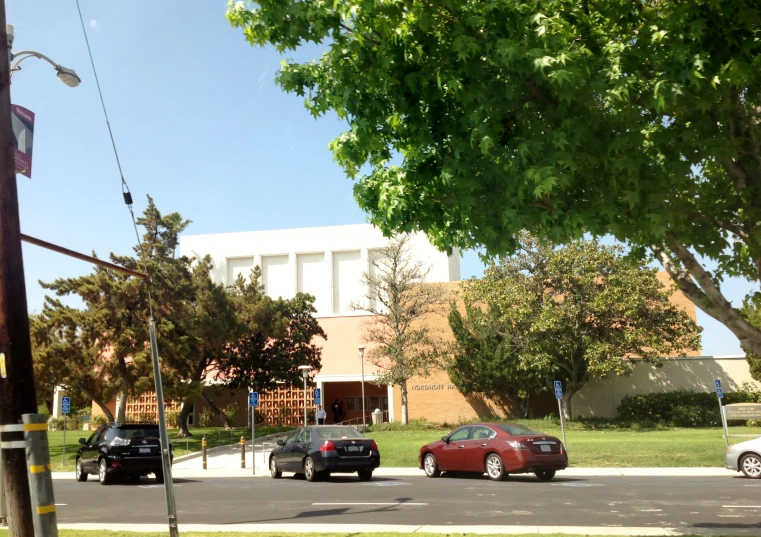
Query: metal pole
point(63, 460)
point(165, 462)
point(40, 477)
point(253, 439)
point(362, 359)
point(3, 507)
point(203, 451)
point(305, 401)
point(562, 423)
point(723, 421)
point(242, 451)
point(17, 391)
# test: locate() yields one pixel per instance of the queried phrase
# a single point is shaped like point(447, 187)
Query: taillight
point(517, 445)
point(374, 446)
point(327, 446)
point(121, 441)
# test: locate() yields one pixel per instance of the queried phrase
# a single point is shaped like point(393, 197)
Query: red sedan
point(498, 449)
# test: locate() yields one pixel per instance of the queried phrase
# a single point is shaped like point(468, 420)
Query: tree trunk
point(214, 408)
point(182, 419)
point(121, 407)
point(405, 411)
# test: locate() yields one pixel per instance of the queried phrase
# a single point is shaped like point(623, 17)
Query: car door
point(285, 458)
point(483, 443)
point(452, 455)
point(90, 451)
point(301, 448)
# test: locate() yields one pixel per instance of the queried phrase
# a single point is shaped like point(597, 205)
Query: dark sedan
point(498, 449)
point(126, 450)
point(321, 450)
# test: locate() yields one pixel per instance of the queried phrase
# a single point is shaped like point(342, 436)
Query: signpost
point(253, 402)
point(65, 409)
point(720, 396)
point(559, 397)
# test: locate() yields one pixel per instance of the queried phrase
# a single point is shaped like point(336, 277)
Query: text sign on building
point(558, 389)
point(253, 399)
point(719, 391)
point(317, 396)
point(66, 405)
point(22, 122)
point(742, 411)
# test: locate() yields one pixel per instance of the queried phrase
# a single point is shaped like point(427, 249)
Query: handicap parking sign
point(66, 405)
point(253, 399)
point(719, 391)
point(317, 396)
point(558, 389)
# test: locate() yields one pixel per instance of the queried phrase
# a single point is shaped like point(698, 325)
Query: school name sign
point(742, 411)
point(433, 387)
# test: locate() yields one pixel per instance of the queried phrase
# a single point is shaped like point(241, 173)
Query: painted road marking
point(369, 503)
point(742, 506)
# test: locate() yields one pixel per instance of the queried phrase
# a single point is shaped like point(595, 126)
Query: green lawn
point(94, 533)
point(215, 436)
point(594, 448)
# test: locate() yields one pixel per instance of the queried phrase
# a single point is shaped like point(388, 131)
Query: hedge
point(682, 408)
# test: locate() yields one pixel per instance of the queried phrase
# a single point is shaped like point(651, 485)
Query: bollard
point(203, 451)
point(40, 476)
point(242, 451)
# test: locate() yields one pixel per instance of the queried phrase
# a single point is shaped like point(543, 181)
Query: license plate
point(354, 448)
point(145, 450)
point(546, 448)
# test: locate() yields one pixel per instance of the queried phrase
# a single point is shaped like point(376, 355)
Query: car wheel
point(545, 475)
point(430, 466)
point(274, 471)
point(365, 475)
point(159, 476)
point(79, 472)
point(103, 476)
point(309, 471)
point(750, 465)
point(494, 467)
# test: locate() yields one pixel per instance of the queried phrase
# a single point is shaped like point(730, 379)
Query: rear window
point(336, 433)
point(134, 432)
point(514, 429)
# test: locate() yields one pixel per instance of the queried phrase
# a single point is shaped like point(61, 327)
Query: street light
point(305, 373)
point(362, 361)
point(65, 75)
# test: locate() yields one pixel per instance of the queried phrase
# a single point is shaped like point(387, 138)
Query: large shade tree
point(577, 312)
point(474, 120)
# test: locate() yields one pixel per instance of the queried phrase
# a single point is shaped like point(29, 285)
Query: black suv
point(127, 450)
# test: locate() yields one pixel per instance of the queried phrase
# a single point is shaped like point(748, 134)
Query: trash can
point(377, 416)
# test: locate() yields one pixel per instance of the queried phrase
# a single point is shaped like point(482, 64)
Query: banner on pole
point(22, 122)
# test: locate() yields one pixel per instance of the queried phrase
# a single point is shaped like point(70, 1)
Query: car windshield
point(514, 429)
point(333, 433)
point(137, 432)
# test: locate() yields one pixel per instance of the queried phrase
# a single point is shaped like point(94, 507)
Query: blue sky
point(199, 124)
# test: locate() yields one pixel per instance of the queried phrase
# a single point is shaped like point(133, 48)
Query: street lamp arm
point(39, 55)
point(66, 75)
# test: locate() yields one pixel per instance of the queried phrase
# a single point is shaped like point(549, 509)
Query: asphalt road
point(683, 503)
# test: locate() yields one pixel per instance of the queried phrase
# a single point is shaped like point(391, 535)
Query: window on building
point(351, 404)
point(385, 403)
point(374, 402)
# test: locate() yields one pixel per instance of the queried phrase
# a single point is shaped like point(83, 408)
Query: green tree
point(276, 337)
point(580, 311)
point(110, 334)
point(484, 360)
point(751, 312)
point(404, 345)
point(472, 121)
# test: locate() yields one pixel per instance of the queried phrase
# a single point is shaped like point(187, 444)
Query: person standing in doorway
point(341, 411)
point(336, 410)
point(321, 415)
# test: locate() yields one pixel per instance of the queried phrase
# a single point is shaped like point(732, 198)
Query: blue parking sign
point(558, 389)
point(66, 405)
point(317, 396)
point(253, 399)
point(719, 391)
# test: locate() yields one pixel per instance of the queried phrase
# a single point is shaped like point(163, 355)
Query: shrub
point(230, 411)
point(206, 417)
point(72, 424)
point(171, 419)
point(97, 420)
point(682, 408)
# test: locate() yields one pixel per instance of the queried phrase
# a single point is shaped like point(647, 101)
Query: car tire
point(431, 465)
point(310, 473)
point(750, 466)
point(545, 475)
point(80, 474)
point(159, 477)
point(365, 475)
point(103, 476)
point(274, 470)
point(494, 467)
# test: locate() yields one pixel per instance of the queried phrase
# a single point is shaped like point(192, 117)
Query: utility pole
point(17, 394)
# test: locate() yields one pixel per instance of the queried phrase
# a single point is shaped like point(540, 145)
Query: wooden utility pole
point(17, 394)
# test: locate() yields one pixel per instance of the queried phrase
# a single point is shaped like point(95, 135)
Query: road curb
point(211, 452)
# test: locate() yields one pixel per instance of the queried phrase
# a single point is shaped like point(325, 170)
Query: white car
point(745, 457)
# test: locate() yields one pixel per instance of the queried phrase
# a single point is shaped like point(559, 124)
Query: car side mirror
point(82, 441)
point(445, 439)
point(281, 442)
